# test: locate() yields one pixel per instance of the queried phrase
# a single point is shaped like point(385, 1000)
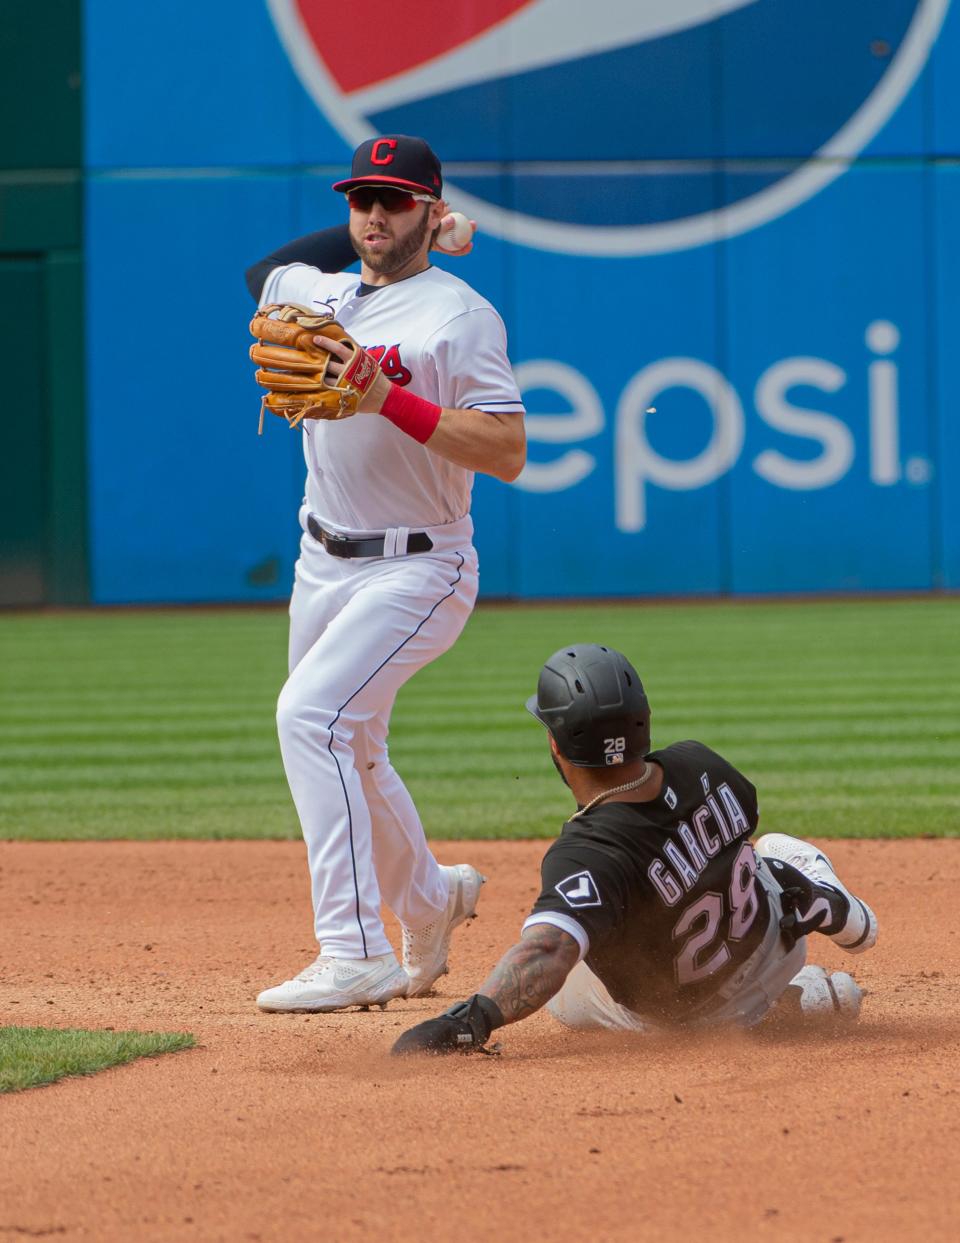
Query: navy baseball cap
point(395, 160)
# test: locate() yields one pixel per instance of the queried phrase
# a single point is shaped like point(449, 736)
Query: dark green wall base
point(43, 493)
point(43, 468)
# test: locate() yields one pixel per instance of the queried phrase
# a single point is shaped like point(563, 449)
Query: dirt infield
point(286, 1128)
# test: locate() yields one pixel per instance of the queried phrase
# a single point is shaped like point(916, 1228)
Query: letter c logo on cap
point(376, 157)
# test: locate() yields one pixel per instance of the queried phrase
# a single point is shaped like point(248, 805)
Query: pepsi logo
point(627, 128)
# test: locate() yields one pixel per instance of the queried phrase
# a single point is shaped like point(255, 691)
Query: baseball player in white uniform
point(387, 574)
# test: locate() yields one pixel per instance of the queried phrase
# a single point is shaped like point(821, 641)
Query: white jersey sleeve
point(300, 283)
point(469, 355)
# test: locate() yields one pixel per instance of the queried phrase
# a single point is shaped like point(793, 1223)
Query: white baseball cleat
point(337, 983)
point(859, 931)
point(425, 949)
point(837, 994)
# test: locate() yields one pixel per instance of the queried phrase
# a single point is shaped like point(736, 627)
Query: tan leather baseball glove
point(294, 369)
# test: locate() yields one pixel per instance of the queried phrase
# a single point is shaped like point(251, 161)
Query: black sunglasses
point(390, 199)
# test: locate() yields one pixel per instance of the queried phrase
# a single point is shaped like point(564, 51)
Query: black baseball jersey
point(666, 890)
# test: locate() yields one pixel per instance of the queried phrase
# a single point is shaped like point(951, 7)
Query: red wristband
point(412, 414)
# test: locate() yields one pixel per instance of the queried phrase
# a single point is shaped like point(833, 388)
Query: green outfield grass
point(32, 1056)
point(846, 715)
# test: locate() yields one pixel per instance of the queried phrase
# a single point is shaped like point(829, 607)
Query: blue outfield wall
point(730, 286)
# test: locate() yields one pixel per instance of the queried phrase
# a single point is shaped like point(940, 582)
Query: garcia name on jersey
point(662, 896)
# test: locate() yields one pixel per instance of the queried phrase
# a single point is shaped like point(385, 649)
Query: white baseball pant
point(359, 628)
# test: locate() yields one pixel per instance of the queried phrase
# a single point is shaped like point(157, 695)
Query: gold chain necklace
point(630, 785)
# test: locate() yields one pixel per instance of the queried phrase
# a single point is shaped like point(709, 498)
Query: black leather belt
point(340, 546)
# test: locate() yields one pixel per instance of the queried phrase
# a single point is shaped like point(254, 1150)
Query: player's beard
point(392, 258)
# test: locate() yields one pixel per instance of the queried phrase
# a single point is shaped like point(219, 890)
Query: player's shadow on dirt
point(786, 1031)
point(870, 1030)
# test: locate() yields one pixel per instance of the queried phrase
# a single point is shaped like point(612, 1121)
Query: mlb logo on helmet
point(602, 102)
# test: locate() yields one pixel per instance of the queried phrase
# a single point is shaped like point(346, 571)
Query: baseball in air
point(459, 236)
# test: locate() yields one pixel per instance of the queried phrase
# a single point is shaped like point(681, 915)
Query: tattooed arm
point(531, 972)
point(525, 978)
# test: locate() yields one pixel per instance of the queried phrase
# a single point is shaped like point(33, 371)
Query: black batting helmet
point(593, 703)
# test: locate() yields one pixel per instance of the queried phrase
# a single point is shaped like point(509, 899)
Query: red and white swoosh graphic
point(437, 46)
point(419, 31)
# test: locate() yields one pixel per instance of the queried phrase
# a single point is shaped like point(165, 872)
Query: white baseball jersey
point(430, 331)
